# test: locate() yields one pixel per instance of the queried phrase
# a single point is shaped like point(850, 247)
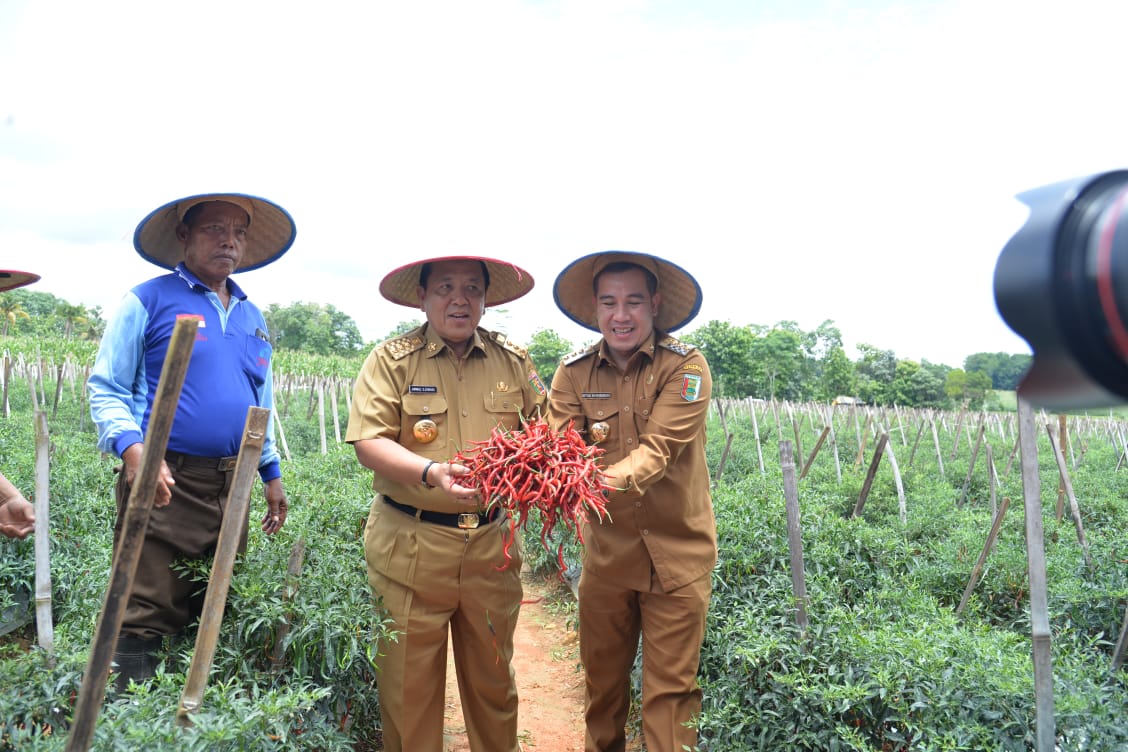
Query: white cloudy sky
point(806, 159)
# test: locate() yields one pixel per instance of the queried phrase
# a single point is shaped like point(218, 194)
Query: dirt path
point(549, 681)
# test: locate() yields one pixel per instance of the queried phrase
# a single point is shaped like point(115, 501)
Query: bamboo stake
point(321, 417)
point(959, 427)
point(794, 535)
point(992, 479)
point(1036, 571)
point(756, 434)
point(936, 444)
point(902, 510)
point(916, 442)
point(336, 417)
point(834, 445)
point(815, 451)
point(971, 466)
point(219, 582)
point(1121, 645)
point(868, 483)
point(1074, 510)
point(44, 625)
point(987, 545)
point(1059, 509)
point(136, 521)
point(293, 573)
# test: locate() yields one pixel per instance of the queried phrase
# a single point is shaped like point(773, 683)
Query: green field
point(885, 663)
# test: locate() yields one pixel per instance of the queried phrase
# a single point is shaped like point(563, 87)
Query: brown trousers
point(672, 626)
point(163, 600)
point(430, 579)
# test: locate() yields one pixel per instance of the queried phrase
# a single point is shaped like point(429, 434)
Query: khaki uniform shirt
point(417, 377)
point(662, 516)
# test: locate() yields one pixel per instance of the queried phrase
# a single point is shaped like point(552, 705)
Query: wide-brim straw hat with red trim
point(270, 234)
point(574, 295)
point(507, 281)
point(10, 279)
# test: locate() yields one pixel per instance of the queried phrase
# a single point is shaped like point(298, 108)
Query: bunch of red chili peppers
point(554, 472)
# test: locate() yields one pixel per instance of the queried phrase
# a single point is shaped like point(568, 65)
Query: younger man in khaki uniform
point(432, 558)
point(643, 396)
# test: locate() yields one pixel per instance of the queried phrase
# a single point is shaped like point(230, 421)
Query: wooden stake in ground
point(219, 582)
point(1075, 511)
point(44, 625)
point(1036, 572)
point(794, 534)
point(134, 525)
point(868, 482)
point(987, 545)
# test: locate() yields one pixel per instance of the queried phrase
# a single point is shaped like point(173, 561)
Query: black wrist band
point(427, 469)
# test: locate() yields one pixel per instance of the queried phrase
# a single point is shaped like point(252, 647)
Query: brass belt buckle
point(227, 464)
point(468, 520)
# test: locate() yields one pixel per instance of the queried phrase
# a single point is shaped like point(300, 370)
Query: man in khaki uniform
point(433, 559)
point(643, 396)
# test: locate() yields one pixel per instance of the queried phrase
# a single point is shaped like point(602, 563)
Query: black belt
point(222, 464)
point(461, 520)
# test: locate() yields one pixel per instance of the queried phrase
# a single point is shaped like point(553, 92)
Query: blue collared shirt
point(229, 371)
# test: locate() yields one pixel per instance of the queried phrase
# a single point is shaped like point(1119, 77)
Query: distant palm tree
point(73, 316)
point(94, 325)
point(11, 310)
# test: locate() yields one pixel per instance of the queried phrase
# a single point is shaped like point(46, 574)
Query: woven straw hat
point(681, 295)
point(270, 234)
point(10, 279)
point(507, 281)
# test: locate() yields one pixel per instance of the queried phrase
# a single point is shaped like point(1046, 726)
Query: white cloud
point(819, 160)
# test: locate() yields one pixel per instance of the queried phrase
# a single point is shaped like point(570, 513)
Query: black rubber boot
point(135, 658)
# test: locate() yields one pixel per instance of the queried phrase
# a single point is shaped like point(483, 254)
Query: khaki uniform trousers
point(163, 601)
point(429, 579)
point(672, 626)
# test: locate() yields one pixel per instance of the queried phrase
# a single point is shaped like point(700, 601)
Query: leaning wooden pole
point(219, 582)
point(868, 482)
point(1036, 572)
point(134, 525)
point(987, 546)
point(1074, 509)
point(45, 628)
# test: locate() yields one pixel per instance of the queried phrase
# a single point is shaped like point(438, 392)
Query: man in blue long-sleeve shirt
point(203, 239)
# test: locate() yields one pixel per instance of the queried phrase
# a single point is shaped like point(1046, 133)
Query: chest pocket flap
point(505, 403)
point(424, 405)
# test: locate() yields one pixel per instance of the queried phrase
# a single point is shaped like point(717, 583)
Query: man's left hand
point(276, 506)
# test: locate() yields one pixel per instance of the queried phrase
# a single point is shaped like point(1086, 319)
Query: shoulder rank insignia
point(571, 358)
point(504, 341)
point(401, 347)
point(676, 345)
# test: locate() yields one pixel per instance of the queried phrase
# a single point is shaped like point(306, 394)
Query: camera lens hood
point(1061, 283)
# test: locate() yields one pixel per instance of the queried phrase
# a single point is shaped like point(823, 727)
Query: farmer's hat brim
point(269, 235)
point(575, 296)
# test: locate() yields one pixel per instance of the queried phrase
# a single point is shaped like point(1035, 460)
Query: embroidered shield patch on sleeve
point(537, 384)
point(691, 387)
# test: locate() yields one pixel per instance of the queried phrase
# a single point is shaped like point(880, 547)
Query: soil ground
point(550, 683)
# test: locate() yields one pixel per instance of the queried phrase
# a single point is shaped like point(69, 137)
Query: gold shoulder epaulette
point(572, 357)
point(513, 347)
point(676, 345)
point(401, 347)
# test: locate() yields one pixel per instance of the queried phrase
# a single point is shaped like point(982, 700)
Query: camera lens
point(1062, 284)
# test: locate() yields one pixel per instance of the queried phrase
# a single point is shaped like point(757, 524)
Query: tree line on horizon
point(777, 362)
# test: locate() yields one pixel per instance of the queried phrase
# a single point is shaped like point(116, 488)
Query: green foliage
point(403, 328)
point(885, 663)
point(290, 672)
point(546, 348)
point(1002, 369)
point(313, 328)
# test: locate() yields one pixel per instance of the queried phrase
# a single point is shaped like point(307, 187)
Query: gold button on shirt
point(655, 452)
point(401, 384)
